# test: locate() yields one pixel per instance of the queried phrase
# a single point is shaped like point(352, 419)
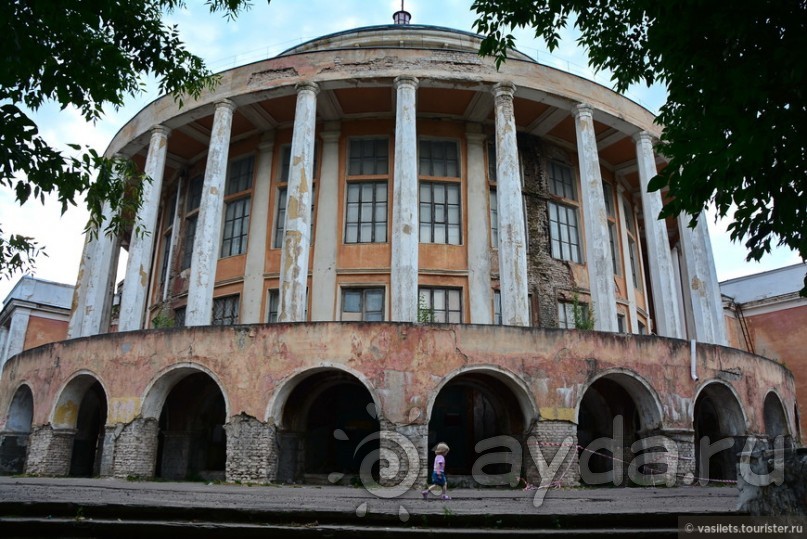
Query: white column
point(512, 237)
point(135, 286)
point(323, 280)
point(629, 284)
point(254, 291)
point(207, 241)
point(15, 340)
point(701, 288)
point(665, 302)
point(101, 272)
point(297, 231)
point(598, 252)
point(480, 292)
point(3, 340)
point(74, 326)
point(404, 273)
point(675, 256)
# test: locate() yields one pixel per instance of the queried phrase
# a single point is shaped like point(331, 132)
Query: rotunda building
point(377, 241)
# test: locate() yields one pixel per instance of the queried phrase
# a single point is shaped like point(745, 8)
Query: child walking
point(439, 473)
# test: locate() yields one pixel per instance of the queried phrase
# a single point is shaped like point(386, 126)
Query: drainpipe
point(693, 360)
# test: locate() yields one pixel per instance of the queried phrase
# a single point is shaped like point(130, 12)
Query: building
point(765, 315)
point(376, 240)
point(34, 313)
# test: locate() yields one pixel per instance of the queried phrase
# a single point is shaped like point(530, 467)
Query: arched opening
point(470, 408)
point(616, 410)
point(329, 425)
point(88, 442)
point(192, 443)
point(14, 441)
point(774, 415)
point(718, 421)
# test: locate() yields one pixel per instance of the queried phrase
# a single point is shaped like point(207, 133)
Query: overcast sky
point(263, 32)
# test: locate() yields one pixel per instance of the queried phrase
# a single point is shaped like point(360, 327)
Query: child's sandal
point(445, 497)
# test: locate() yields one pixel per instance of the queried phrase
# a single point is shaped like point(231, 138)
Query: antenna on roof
point(402, 17)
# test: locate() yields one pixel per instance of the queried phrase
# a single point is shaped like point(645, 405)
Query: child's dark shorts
point(438, 479)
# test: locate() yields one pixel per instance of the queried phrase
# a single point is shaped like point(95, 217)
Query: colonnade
point(699, 296)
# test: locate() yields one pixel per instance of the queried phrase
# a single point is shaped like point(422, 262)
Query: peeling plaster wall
point(547, 276)
point(403, 364)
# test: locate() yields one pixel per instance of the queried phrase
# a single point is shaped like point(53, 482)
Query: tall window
point(563, 223)
point(192, 203)
point(225, 310)
point(497, 307)
point(440, 305)
point(179, 317)
point(564, 232)
point(237, 204)
point(363, 304)
point(440, 213)
point(283, 178)
point(491, 162)
point(610, 210)
point(634, 263)
point(366, 216)
point(274, 305)
point(280, 218)
point(566, 314)
point(633, 253)
point(438, 158)
point(494, 219)
point(368, 157)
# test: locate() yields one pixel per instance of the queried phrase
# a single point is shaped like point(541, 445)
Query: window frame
point(567, 205)
point(363, 292)
point(234, 310)
point(429, 303)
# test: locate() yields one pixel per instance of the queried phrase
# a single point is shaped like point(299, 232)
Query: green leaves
point(88, 55)
point(735, 122)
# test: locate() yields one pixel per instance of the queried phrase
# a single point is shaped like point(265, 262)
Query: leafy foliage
point(85, 54)
point(735, 121)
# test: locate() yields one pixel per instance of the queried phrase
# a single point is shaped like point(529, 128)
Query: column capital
point(476, 138)
point(504, 89)
point(406, 80)
point(330, 136)
point(582, 109)
point(226, 103)
point(307, 87)
point(160, 130)
point(643, 136)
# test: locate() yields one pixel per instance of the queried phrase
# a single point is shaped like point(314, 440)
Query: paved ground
point(293, 499)
point(28, 504)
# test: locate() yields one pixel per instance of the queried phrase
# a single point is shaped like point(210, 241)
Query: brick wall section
point(547, 438)
point(251, 450)
point(404, 446)
point(685, 464)
point(49, 451)
point(547, 276)
point(135, 448)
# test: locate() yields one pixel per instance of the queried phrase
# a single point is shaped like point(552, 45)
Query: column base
point(135, 449)
point(551, 457)
point(251, 454)
point(49, 451)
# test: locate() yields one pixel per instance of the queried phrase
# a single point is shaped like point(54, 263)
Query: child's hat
point(442, 447)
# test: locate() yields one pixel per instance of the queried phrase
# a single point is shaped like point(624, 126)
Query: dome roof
point(400, 37)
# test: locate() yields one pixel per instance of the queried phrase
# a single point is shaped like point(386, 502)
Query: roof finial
point(402, 17)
